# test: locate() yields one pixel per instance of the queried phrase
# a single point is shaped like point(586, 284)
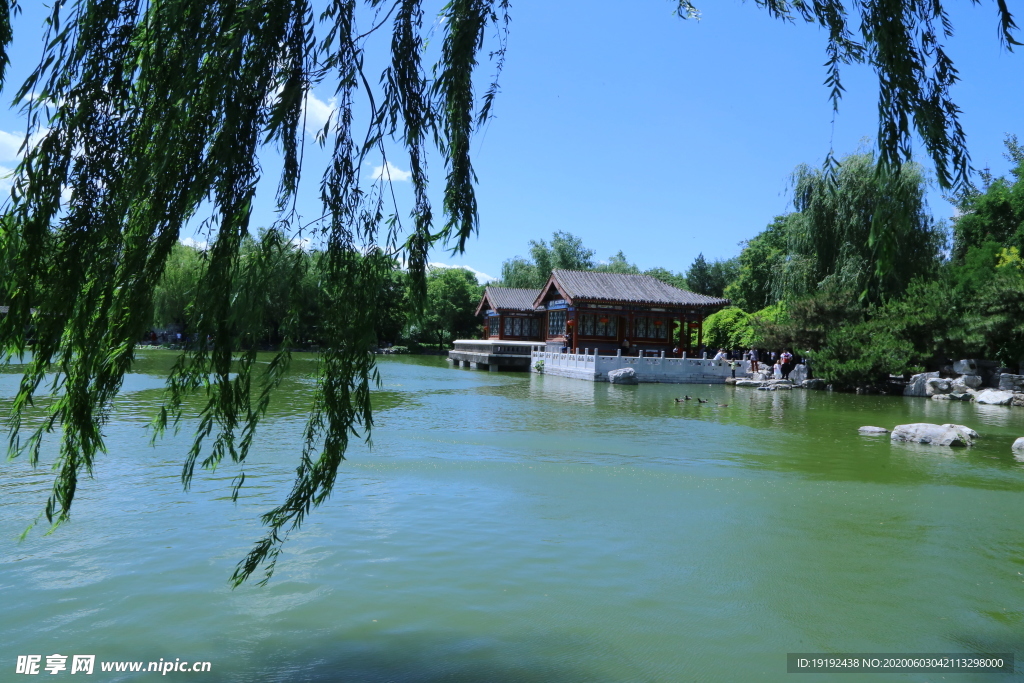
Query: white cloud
point(318, 112)
point(6, 182)
point(481, 278)
point(201, 245)
point(303, 243)
point(10, 144)
point(390, 172)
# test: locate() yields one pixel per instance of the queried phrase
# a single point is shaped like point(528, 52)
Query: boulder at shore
point(873, 431)
point(623, 376)
point(994, 397)
point(937, 385)
point(966, 367)
point(1008, 382)
point(936, 435)
point(915, 387)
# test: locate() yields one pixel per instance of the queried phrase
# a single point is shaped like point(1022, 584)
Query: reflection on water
point(510, 526)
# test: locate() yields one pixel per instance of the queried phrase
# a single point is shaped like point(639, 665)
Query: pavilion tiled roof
point(641, 289)
point(512, 298)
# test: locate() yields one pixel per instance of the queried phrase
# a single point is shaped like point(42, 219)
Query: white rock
point(936, 435)
point(965, 430)
point(867, 431)
point(1008, 382)
point(1018, 445)
point(965, 367)
point(966, 383)
point(972, 381)
point(623, 376)
point(937, 385)
point(915, 387)
point(994, 397)
point(798, 374)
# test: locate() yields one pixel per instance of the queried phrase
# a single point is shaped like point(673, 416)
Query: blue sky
point(660, 137)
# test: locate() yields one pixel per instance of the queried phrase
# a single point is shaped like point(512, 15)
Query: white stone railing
point(565, 360)
point(653, 369)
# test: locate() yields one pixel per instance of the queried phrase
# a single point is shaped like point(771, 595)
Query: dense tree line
point(864, 303)
point(289, 309)
point(859, 277)
point(824, 280)
point(567, 251)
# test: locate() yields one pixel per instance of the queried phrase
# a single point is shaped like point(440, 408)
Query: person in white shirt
point(720, 356)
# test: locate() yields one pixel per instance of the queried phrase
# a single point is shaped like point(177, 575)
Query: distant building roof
point(509, 299)
point(642, 289)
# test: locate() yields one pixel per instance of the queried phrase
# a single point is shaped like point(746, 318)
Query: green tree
point(668, 277)
point(762, 257)
point(849, 223)
point(178, 286)
point(566, 251)
point(520, 272)
point(393, 316)
point(174, 102)
point(452, 296)
point(711, 278)
point(730, 328)
point(618, 264)
point(995, 214)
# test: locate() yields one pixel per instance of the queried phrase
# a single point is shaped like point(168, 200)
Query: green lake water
point(516, 527)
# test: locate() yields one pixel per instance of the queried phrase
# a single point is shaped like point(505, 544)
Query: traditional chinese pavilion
point(509, 313)
point(599, 311)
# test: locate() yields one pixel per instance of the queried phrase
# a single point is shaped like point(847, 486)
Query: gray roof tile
point(512, 298)
point(644, 289)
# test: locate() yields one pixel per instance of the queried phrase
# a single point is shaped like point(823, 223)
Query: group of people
point(781, 363)
point(154, 337)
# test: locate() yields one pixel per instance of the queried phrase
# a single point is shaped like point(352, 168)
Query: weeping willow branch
point(154, 115)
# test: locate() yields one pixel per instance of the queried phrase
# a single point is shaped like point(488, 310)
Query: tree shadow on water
point(415, 658)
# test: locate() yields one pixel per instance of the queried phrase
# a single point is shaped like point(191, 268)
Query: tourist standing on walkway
point(786, 360)
point(753, 360)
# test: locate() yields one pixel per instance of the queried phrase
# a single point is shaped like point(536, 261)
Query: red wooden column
point(700, 333)
point(629, 332)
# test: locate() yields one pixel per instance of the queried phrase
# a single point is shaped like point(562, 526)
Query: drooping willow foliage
point(830, 243)
point(155, 114)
